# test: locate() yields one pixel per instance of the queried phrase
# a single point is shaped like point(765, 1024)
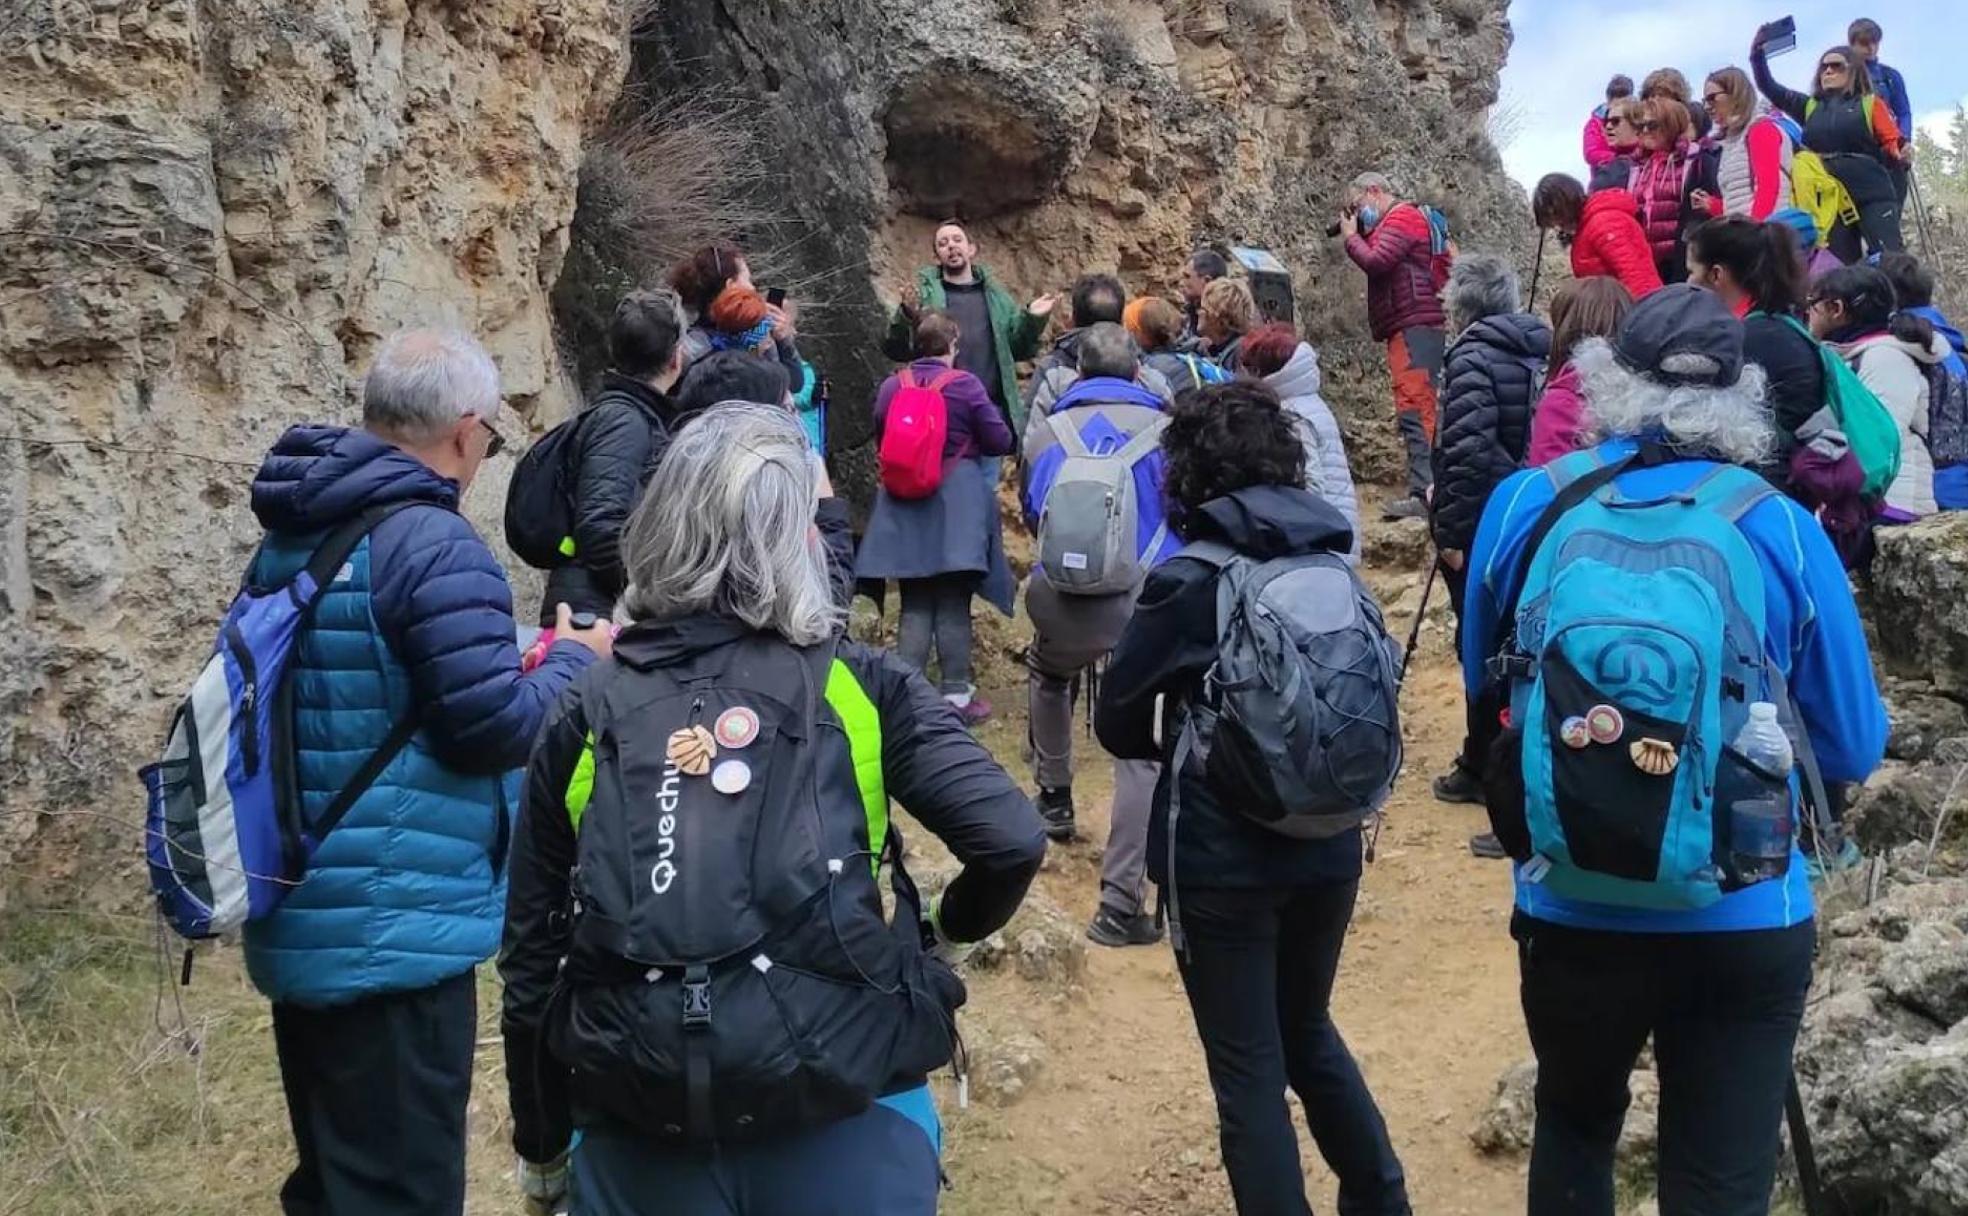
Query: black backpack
point(1299, 724)
point(730, 973)
point(540, 497)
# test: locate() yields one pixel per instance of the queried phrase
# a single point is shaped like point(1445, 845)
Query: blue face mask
point(1368, 217)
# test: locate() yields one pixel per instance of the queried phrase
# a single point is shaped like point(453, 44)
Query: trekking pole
point(1920, 214)
point(1537, 266)
point(1421, 613)
point(1809, 1184)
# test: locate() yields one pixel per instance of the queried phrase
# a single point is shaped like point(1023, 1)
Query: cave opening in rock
point(957, 146)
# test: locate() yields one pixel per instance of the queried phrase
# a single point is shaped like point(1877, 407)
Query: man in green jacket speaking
point(995, 333)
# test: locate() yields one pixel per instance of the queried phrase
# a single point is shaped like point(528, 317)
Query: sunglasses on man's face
point(496, 444)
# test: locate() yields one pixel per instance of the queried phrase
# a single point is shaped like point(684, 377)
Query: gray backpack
point(1298, 725)
point(1088, 524)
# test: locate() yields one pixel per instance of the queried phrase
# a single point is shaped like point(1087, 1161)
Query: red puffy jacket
point(1659, 184)
point(1401, 291)
point(1610, 241)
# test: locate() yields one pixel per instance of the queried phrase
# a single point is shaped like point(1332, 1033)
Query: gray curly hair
point(1730, 422)
point(726, 528)
point(1480, 285)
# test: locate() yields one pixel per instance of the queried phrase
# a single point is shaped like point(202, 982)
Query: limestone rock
point(1919, 601)
point(1901, 804)
point(1883, 1054)
point(1920, 719)
point(209, 214)
point(1041, 944)
point(1101, 134)
point(1505, 1128)
point(1395, 544)
point(1003, 1064)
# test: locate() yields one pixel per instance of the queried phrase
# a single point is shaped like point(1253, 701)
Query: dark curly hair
point(1225, 437)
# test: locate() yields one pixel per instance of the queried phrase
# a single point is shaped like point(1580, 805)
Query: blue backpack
point(224, 831)
point(1633, 648)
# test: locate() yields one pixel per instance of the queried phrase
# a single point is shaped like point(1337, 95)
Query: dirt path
point(1120, 1119)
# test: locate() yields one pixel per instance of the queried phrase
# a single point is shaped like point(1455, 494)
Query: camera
point(1332, 229)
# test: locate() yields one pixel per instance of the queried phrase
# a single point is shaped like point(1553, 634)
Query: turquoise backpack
point(1634, 646)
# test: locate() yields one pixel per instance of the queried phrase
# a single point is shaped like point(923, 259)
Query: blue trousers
point(882, 1160)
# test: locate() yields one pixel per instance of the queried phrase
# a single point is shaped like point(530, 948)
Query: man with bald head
point(995, 333)
point(407, 698)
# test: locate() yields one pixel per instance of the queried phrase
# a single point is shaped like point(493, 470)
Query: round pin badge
point(1574, 733)
point(737, 727)
point(1605, 724)
point(731, 777)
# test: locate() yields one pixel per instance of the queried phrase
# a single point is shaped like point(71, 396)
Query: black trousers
point(1723, 1010)
point(1259, 973)
point(376, 1093)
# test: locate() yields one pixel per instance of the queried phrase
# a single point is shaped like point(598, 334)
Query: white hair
point(1480, 285)
point(1371, 181)
point(1730, 422)
point(424, 380)
point(725, 527)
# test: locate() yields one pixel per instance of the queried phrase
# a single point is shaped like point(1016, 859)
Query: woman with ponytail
point(1756, 270)
point(1853, 310)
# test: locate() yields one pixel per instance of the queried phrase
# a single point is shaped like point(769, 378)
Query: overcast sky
point(1567, 49)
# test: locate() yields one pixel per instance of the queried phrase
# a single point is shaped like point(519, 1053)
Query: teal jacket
point(1014, 331)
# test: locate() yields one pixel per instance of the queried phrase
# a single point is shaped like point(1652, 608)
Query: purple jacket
point(977, 427)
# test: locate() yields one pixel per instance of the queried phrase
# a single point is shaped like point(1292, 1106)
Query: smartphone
point(1780, 36)
point(776, 296)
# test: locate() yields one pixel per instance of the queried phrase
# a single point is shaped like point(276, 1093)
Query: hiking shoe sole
point(1487, 846)
point(1456, 792)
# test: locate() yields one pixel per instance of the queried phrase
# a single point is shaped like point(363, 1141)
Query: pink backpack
point(911, 459)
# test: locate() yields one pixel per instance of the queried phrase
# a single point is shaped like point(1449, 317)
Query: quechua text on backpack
point(1633, 649)
point(1089, 524)
point(730, 973)
point(225, 835)
point(913, 436)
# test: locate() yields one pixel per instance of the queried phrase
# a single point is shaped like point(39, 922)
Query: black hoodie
point(1159, 664)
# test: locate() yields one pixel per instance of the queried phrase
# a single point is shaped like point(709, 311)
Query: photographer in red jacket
point(1390, 240)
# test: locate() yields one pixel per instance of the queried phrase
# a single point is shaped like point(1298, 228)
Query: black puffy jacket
point(623, 434)
point(1158, 665)
point(1490, 381)
point(930, 764)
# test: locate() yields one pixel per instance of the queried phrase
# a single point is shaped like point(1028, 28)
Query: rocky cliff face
point(209, 214)
point(1099, 135)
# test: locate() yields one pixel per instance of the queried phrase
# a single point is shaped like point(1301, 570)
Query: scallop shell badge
point(1654, 757)
point(691, 750)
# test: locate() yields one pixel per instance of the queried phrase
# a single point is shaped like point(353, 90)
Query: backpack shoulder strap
point(944, 378)
point(1144, 441)
point(1570, 494)
point(1066, 434)
point(1731, 491)
point(336, 546)
point(323, 566)
point(1209, 552)
point(906, 377)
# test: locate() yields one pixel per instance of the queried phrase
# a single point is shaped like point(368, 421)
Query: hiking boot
point(1458, 786)
point(1111, 928)
point(1487, 846)
point(1056, 808)
point(1406, 507)
point(1848, 856)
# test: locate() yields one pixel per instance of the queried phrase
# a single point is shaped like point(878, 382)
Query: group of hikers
point(667, 807)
